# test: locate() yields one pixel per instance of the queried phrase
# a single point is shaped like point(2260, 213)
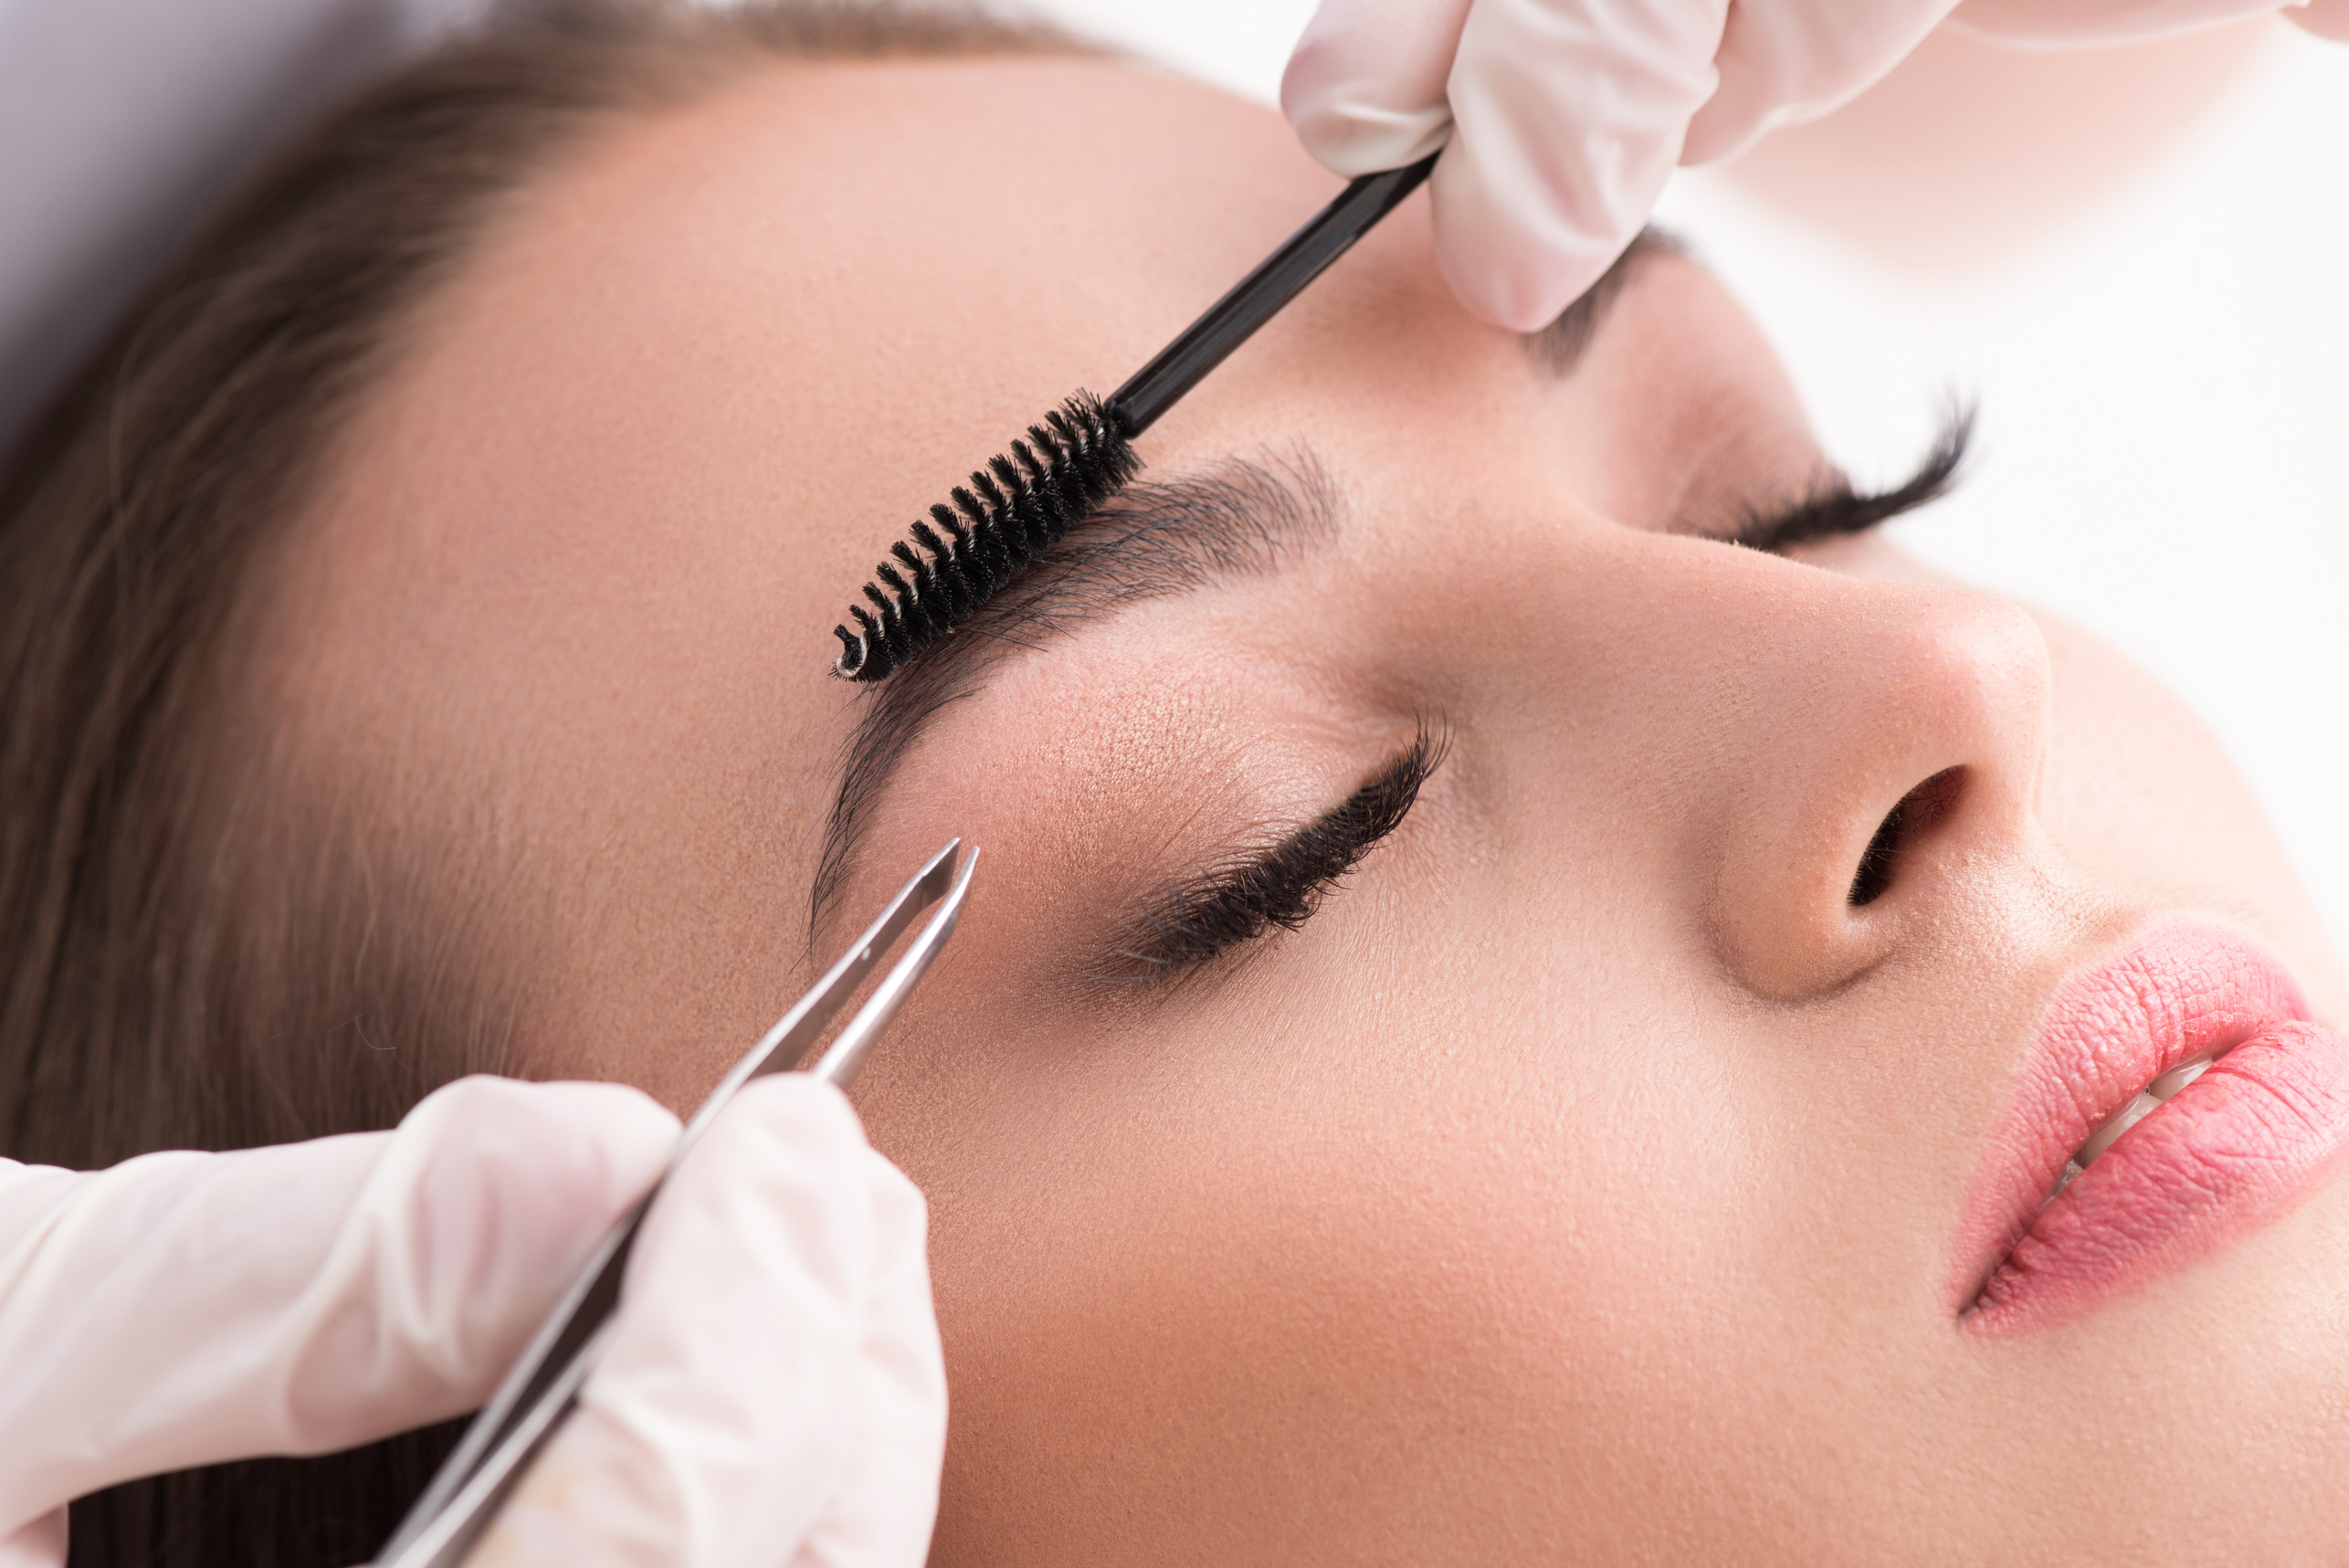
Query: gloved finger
point(2325, 18)
point(882, 1512)
point(1364, 87)
point(775, 1391)
point(40, 1544)
point(1794, 60)
point(182, 1309)
point(1567, 118)
point(2095, 23)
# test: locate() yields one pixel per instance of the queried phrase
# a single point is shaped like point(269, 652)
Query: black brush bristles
point(1009, 513)
point(1017, 507)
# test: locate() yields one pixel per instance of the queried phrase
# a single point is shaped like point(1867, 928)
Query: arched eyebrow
point(1157, 539)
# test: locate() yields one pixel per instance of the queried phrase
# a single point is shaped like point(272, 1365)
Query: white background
point(2164, 367)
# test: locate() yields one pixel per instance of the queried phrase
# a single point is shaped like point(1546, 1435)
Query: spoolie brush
point(1082, 453)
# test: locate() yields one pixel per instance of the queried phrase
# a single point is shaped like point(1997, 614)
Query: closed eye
point(1225, 906)
point(1834, 508)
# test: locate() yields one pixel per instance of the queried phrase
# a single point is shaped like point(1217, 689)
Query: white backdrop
point(2163, 369)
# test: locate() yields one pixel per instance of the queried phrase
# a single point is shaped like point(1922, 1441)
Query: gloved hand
point(1565, 116)
point(774, 1392)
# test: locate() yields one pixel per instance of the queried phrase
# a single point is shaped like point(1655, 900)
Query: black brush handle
point(1255, 298)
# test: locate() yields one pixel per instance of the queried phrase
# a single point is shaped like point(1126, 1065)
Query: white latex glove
point(185, 1308)
point(775, 1392)
point(1565, 116)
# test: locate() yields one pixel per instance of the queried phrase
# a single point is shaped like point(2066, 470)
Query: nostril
point(1875, 873)
point(1911, 817)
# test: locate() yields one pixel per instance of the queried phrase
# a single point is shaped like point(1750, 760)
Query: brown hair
point(198, 956)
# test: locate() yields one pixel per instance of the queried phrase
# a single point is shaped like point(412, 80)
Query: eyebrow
point(1559, 347)
point(1156, 540)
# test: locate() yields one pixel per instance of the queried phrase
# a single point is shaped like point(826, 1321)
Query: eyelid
point(1226, 906)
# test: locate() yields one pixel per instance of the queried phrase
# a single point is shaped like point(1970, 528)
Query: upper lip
point(2110, 1028)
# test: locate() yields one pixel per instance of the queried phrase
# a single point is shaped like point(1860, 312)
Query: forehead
point(781, 320)
point(920, 256)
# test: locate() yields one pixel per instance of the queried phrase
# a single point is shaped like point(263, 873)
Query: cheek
point(2141, 797)
point(1334, 1266)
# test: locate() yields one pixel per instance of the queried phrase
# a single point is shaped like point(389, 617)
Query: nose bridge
point(1804, 723)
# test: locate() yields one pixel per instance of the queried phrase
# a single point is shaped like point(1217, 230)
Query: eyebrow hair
point(1157, 539)
point(1559, 347)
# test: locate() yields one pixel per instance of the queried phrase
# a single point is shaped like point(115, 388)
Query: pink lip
point(2220, 1158)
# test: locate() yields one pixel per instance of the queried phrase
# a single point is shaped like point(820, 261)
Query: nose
point(1884, 747)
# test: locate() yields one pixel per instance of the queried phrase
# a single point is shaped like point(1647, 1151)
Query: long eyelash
point(1837, 508)
point(1229, 905)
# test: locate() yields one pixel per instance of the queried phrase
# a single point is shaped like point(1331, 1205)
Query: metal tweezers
point(467, 1488)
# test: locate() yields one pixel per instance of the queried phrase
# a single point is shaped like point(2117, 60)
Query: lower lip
point(2220, 1158)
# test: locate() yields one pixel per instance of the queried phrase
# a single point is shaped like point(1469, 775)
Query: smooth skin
point(1582, 1183)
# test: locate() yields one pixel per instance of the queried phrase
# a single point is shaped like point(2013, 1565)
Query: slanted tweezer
point(530, 1404)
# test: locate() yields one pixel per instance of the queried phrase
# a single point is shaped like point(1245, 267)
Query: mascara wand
point(1082, 453)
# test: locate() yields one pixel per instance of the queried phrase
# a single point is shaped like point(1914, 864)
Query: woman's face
point(1589, 1178)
